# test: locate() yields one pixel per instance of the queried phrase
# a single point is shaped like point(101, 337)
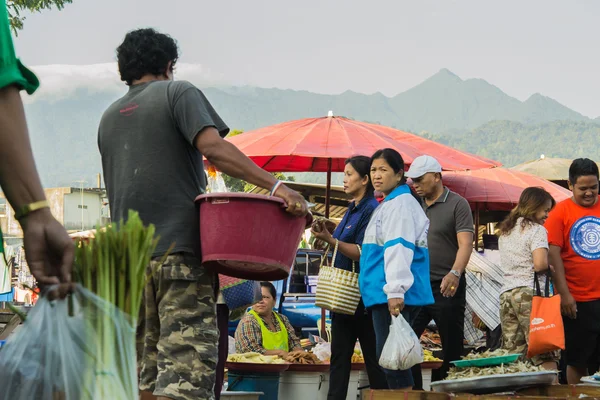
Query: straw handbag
point(337, 289)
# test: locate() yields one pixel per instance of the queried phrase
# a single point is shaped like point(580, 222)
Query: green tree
point(238, 185)
point(16, 7)
point(234, 184)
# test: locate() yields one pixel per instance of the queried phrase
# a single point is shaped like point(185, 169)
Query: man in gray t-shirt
point(152, 141)
point(450, 242)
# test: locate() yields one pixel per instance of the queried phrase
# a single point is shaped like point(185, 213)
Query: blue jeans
point(381, 322)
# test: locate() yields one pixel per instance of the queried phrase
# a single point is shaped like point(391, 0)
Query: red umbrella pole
point(328, 189)
point(327, 201)
point(476, 226)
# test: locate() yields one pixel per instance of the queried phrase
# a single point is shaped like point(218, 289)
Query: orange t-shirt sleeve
point(555, 226)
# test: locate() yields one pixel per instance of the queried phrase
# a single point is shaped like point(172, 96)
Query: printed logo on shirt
point(585, 237)
point(537, 321)
point(128, 109)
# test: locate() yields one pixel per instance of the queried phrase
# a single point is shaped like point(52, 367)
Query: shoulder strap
point(536, 284)
point(337, 243)
point(324, 257)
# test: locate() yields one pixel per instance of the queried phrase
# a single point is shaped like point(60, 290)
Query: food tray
point(308, 367)
point(431, 364)
point(256, 367)
point(589, 380)
point(495, 383)
point(486, 362)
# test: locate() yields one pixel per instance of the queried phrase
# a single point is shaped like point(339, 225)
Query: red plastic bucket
point(248, 236)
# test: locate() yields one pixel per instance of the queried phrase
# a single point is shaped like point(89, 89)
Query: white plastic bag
point(322, 351)
point(402, 349)
point(215, 182)
point(57, 356)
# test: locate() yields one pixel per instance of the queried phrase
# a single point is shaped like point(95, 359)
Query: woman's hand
point(280, 353)
point(395, 306)
point(319, 230)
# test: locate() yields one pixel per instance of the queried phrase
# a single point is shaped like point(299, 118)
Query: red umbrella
point(323, 144)
point(498, 189)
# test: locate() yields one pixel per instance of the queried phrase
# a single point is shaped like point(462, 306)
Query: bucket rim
point(239, 195)
point(248, 196)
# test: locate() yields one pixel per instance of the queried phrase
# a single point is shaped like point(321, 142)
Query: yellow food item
point(358, 358)
point(255, 358)
point(428, 356)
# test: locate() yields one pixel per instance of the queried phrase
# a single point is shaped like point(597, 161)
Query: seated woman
point(264, 331)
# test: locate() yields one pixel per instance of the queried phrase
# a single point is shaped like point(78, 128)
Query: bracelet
point(275, 187)
point(29, 208)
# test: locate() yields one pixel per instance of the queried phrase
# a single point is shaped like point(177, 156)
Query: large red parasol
point(323, 144)
point(498, 189)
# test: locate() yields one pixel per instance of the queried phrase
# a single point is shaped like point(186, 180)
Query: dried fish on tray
point(487, 359)
point(495, 383)
point(590, 380)
point(431, 340)
point(475, 372)
point(487, 354)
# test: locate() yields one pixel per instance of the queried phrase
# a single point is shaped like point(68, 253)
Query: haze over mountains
point(471, 114)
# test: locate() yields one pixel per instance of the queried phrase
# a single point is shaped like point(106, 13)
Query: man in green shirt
point(48, 247)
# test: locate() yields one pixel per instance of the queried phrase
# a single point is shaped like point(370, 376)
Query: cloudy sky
point(523, 47)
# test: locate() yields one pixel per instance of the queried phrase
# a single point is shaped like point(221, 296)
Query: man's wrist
point(275, 187)
point(456, 272)
point(391, 296)
point(30, 208)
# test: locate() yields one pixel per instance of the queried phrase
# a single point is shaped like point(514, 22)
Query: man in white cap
point(450, 241)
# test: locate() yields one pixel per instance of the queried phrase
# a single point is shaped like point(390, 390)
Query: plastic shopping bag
point(402, 349)
point(546, 330)
point(215, 182)
point(60, 352)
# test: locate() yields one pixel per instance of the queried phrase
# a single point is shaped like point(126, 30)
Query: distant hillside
point(513, 143)
point(442, 103)
point(64, 131)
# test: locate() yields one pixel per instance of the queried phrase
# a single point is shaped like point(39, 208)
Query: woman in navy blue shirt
point(345, 329)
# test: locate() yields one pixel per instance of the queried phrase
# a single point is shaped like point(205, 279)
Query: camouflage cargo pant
point(515, 311)
point(177, 334)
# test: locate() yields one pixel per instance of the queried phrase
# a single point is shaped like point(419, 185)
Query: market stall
point(493, 372)
point(323, 144)
point(299, 376)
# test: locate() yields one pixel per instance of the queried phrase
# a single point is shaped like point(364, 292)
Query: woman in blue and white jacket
point(394, 276)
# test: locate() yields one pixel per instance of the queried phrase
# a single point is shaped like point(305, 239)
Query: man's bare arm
point(230, 160)
point(18, 176)
point(568, 304)
point(48, 248)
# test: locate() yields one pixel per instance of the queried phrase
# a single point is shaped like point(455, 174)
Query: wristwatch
point(29, 208)
point(455, 273)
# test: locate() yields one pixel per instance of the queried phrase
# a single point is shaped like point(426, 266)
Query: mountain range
point(444, 106)
point(443, 103)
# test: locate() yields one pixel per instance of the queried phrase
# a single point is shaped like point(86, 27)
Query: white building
point(76, 209)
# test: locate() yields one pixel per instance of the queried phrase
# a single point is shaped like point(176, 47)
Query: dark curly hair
point(145, 51)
